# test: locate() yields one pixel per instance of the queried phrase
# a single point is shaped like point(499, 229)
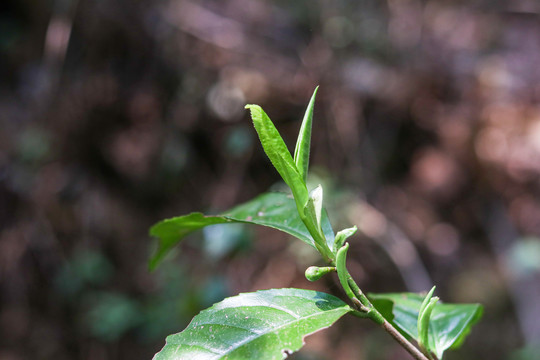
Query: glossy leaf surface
point(274, 209)
point(303, 143)
point(279, 154)
point(449, 324)
point(264, 325)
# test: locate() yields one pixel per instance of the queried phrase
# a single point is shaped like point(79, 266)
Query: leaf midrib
point(257, 335)
point(275, 329)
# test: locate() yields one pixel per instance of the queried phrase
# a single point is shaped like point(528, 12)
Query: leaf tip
point(153, 263)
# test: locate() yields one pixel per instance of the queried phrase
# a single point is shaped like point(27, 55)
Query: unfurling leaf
point(303, 143)
point(341, 267)
point(316, 198)
point(424, 316)
point(343, 235)
point(279, 155)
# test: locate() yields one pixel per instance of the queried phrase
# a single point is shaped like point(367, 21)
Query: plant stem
point(411, 349)
point(356, 290)
point(376, 316)
point(365, 306)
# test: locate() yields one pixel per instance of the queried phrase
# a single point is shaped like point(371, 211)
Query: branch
point(367, 307)
point(411, 349)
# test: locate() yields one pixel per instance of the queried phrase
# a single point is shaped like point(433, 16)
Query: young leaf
point(312, 219)
point(303, 143)
point(316, 198)
point(341, 267)
point(343, 235)
point(448, 326)
point(424, 317)
point(264, 325)
point(279, 155)
point(273, 209)
point(426, 300)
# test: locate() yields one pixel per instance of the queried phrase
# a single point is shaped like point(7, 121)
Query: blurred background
point(117, 114)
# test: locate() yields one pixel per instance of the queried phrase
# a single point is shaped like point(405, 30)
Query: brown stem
point(363, 304)
point(411, 349)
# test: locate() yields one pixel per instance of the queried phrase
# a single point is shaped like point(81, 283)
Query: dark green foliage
point(449, 324)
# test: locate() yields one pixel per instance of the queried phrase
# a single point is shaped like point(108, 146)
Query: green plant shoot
point(271, 324)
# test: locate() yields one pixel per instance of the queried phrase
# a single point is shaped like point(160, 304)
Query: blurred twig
point(395, 243)
point(524, 290)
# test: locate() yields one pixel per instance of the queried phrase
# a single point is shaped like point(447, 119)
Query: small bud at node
point(314, 273)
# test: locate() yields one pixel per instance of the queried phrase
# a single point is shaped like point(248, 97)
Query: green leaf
point(277, 210)
point(424, 317)
point(171, 231)
point(312, 219)
point(273, 209)
point(303, 143)
point(341, 267)
point(448, 326)
point(343, 235)
point(279, 155)
point(424, 327)
point(426, 300)
point(264, 325)
point(315, 204)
